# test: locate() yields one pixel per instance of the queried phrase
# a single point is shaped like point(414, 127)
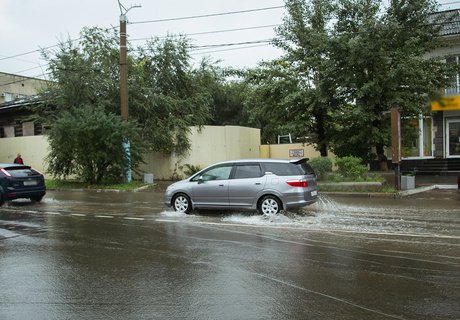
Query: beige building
point(16, 92)
point(14, 87)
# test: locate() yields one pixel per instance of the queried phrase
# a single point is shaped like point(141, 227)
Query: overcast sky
point(27, 25)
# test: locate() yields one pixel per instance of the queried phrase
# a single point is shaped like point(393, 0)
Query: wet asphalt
point(124, 255)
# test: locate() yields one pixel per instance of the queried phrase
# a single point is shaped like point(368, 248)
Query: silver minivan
point(265, 185)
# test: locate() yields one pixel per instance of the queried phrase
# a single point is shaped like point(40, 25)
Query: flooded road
point(91, 255)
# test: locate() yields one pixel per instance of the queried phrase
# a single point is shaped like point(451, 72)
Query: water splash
point(325, 203)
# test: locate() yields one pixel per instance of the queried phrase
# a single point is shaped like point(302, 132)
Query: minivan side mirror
point(200, 180)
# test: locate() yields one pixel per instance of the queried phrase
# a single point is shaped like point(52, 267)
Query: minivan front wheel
point(182, 203)
point(270, 205)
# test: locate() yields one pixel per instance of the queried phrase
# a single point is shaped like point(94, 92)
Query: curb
point(400, 194)
point(102, 190)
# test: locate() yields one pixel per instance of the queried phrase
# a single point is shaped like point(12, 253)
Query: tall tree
point(346, 63)
point(166, 94)
point(305, 38)
point(381, 62)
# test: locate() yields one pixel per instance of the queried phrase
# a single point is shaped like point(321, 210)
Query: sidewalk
point(423, 183)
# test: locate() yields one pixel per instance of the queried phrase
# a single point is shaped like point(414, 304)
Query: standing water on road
point(385, 215)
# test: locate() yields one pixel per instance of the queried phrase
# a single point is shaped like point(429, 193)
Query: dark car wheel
point(270, 205)
point(182, 203)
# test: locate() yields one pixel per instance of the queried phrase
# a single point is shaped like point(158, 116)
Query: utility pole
point(396, 145)
point(124, 81)
point(123, 69)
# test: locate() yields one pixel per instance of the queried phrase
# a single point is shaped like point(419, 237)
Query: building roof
point(449, 21)
point(18, 104)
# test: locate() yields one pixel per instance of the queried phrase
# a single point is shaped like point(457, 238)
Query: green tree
point(346, 63)
point(87, 142)
point(83, 72)
point(166, 94)
point(294, 94)
point(381, 61)
point(305, 38)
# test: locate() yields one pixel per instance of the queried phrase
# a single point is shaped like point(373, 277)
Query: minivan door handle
point(258, 183)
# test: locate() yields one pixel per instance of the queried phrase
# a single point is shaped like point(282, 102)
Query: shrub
point(321, 165)
point(87, 143)
point(351, 168)
point(191, 169)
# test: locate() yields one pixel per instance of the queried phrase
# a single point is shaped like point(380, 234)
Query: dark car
point(20, 181)
point(265, 185)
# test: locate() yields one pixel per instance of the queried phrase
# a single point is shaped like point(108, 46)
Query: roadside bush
point(351, 168)
point(321, 165)
point(87, 143)
point(190, 169)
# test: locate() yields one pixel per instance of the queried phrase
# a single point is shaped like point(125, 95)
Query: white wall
point(33, 150)
point(209, 145)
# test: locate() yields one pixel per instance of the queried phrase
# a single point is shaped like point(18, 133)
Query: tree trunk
point(321, 135)
point(382, 159)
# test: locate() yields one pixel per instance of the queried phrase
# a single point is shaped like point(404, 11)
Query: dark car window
point(247, 171)
point(282, 169)
point(305, 168)
point(215, 173)
point(21, 172)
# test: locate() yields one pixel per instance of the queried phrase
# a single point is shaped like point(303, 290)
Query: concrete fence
point(209, 145)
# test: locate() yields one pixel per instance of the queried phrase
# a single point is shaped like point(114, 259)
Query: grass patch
point(72, 184)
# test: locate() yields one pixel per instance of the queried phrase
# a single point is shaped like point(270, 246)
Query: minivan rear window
point(306, 168)
point(282, 169)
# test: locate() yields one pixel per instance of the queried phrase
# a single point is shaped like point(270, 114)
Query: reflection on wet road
point(89, 255)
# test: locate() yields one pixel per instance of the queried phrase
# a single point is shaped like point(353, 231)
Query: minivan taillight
point(5, 172)
point(298, 183)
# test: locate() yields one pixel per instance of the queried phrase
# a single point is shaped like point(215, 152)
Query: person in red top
point(18, 159)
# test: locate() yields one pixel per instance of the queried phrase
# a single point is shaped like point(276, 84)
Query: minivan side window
point(282, 169)
point(216, 173)
point(247, 171)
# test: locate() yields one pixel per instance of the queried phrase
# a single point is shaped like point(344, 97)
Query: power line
point(208, 15)
point(230, 44)
point(160, 20)
point(214, 32)
point(229, 49)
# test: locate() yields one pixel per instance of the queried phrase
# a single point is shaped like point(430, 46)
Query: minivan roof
point(296, 160)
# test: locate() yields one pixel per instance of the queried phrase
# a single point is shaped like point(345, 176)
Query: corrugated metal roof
point(449, 21)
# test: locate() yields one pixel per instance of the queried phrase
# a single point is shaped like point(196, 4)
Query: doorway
point(453, 138)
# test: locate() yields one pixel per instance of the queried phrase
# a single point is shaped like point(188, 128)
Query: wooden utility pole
point(124, 84)
point(396, 145)
point(123, 69)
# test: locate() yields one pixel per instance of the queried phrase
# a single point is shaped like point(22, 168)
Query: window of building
point(28, 128)
point(455, 84)
point(8, 131)
point(417, 137)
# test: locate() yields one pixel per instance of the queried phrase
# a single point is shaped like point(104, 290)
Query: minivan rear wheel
point(269, 205)
point(182, 203)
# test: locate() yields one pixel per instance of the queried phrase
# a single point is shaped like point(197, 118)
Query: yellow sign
point(446, 104)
